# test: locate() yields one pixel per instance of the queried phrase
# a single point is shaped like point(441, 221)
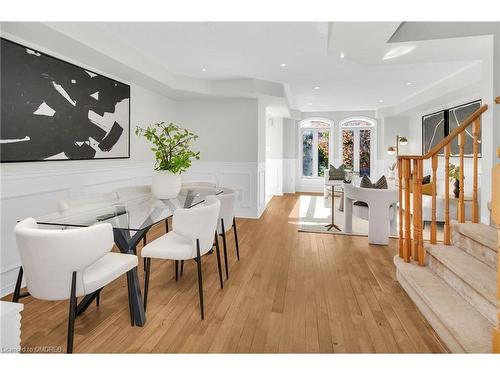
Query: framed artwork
point(55, 110)
point(436, 126)
point(456, 116)
point(433, 130)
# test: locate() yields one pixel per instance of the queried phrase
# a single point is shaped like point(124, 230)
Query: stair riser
point(480, 252)
point(484, 306)
point(435, 322)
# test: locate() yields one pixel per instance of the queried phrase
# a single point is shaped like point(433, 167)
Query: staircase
point(454, 283)
point(457, 291)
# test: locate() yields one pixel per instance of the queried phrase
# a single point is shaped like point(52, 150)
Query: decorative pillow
point(336, 173)
point(427, 189)
point(367, 184)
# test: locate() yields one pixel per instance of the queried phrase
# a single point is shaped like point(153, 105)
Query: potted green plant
point(454, 173)
point(171, 146)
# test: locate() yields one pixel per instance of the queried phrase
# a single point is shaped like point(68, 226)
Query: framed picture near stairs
point(436, 126)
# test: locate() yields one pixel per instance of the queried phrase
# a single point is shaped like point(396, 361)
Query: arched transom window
point(315, 143)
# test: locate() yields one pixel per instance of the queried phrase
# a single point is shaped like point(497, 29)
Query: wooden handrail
point(435, 150)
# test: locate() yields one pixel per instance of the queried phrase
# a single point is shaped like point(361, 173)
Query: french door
point(315, 152)
point(357, 150)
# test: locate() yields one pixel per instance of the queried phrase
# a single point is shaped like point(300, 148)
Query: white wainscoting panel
point(274, 177)
point(261, 188)
point(289, 175)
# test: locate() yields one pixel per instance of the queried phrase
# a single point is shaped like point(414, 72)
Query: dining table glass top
point(135, 214)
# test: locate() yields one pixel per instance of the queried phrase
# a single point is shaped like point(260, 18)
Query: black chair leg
point(219, 266)
point(144, 240)
point(71, 315)
point(236, 239)
point(17, 290)
point(176, 270)
point(98, 298)
point(200, 281)
point(147, 269)
point(166, 225)
point(130, 307)
point(225, 247)
point(182, 266)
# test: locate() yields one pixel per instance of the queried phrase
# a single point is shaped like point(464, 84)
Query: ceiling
point(225, 51)
point(184, 60)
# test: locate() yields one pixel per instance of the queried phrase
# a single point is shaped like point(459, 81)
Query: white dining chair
point(67, 264)
point(227, 221)
point(192, 236)
point(87, 201)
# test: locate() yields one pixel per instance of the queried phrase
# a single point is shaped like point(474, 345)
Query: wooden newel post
point(400, 211)
point(434, 203)
point(407, 230)
point(461, 179)
point(495, 214)
point(447, 231)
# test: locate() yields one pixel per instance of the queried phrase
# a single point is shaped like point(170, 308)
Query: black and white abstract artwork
point(433, 130)
point(456, 116)
point(437, 126)
point(54, 110)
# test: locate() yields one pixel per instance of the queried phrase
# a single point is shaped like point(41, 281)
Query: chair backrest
point(198, 183)
point(131, 192)
point(49, 257)
point(89, 200)
point(383, 197)
point(227, 205)
point(198, 223)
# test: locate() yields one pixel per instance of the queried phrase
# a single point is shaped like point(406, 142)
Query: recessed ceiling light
point(316, 87)
point(283, 65)
point(309, 103)
point(342, 55)
point(398, 51)
point(409, 83)
point(380, 101)
point(203, 69)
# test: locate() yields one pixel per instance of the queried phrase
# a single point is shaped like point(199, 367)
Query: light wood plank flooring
point(291, 292)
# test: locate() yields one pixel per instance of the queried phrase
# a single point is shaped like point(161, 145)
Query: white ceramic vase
point(166, 185)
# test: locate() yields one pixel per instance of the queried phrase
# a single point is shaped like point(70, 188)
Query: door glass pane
point(307, 153)
point(364, 152)
point(323, 138)
point(348, 149)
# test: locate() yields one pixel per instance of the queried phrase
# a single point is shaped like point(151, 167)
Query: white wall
point(227, 128)
point(230, 147)
point(290, 155)
point(274, 157)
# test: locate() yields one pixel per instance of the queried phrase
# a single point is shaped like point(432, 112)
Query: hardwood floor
point(290, 292)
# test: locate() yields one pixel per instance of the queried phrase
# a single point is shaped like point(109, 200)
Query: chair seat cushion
point(106, 269)
point(170, 246)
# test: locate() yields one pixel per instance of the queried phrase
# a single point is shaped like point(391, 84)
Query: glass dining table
point(130, 219)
